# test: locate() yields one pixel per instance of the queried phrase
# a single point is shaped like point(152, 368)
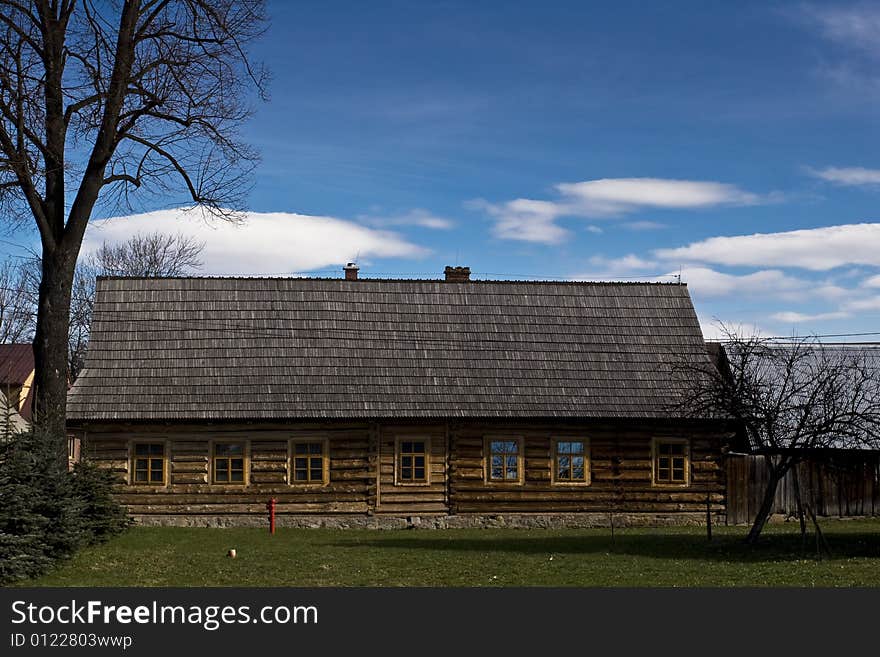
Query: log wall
point(362, 471)
point(621, 473)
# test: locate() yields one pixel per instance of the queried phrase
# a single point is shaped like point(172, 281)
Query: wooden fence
point(844, 483)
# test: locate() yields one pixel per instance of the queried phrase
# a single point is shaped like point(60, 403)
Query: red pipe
point(271, 506)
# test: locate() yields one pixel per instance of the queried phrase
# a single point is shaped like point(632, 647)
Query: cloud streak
point(849, 176)
point(264, 243)
point(534, 220)
point(815, 249)
point(418, 217)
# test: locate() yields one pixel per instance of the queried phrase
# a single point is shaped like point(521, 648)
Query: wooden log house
point(360, 400)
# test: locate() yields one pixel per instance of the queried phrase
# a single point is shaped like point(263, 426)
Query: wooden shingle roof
point(276, 348)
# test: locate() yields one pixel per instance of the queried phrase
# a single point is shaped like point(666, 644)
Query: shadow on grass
point(659, 546)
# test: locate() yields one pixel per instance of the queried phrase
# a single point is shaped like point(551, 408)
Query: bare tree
point(99, 100)
point(790, 399)
point(155, 254)
point(16, 312)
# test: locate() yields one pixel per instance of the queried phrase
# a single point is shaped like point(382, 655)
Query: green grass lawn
point(149, 556)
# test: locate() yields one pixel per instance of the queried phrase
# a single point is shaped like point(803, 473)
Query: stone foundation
point(461, 521)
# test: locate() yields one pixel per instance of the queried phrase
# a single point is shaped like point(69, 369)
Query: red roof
point(16, 363)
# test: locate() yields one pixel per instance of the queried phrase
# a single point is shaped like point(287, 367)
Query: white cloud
point(716, 329)
point(534, 220)
point(706, 282)
point(613, 196)
point(874, 281)
point(855, 26)
point(416, 217)
point(849, 176)
point(264, 243)
point(595, 229)
point(861, 305)
point(816, 249)
point(527, 220)
point(791, 317)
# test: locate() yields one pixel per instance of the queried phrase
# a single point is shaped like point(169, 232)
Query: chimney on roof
point(457, 274)
point(351, 271)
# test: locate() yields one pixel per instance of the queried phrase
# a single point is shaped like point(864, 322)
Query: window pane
point(406, 447)
point(577, 472)
point(511, 462)
point(316, 448)
point(406, 461)
point(577, 448)
point(497, 472)
point(140, 464)
point(237, 475)
point(237, 464)
point(564, 462)
point(419, 461)
point(678, 474)
point(300, 462)
point(497, 461)
point(419, 473)
point(141, 450)
point(418, 448)
point(300, 475)
point(221, 475)
point(140, 475)
point(511, 473)
point(316, 465)
point(496, 447)
point(157, 449)
point(564, 473)
point(406, 474)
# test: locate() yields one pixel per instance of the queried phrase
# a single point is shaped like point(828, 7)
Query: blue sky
point(607, 140)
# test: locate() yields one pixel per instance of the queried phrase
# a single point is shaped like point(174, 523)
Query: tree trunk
point(777, 473)
point(50, 347)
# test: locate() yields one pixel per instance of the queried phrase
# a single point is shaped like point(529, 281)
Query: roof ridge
point(387, 280)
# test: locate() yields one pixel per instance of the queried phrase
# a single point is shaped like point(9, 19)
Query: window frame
point(554, 456)
point(325, 462)
point(397, 454)
point(166, 458)
point(655, 455)
point(520, 461)
point(245, 456)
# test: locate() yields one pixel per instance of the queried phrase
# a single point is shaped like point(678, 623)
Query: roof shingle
point(240, 348)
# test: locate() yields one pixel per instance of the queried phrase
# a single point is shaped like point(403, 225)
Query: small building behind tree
point(361, 401)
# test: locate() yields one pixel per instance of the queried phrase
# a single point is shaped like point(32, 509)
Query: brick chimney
point(351, 271)
point(457, 274)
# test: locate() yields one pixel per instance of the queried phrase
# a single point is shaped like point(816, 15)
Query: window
point(671, 462)
point(309, 464)
point(412, 461)
point(571, 462)
point(229, 463)
point(505, 460)
point(149, 464)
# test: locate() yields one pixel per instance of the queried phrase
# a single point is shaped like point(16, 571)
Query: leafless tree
point(16, 311)
point(790, 399)
point(103, 100)
point(155, 254)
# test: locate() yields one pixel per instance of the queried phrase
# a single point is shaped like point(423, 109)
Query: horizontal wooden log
point(189, 477)
point(255, 508)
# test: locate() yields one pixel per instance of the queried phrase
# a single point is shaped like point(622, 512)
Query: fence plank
point(840, 484)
